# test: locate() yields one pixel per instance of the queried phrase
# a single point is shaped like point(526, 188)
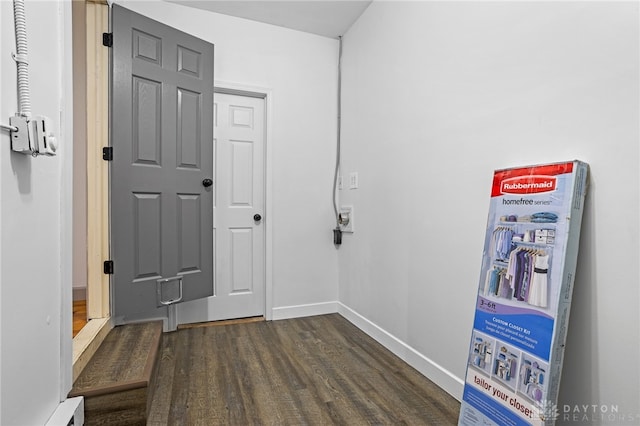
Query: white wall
point(2, 140)
point(437, 95)
point(35, 227)
point(300, 69)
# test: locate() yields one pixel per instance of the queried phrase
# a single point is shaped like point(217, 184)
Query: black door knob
point(207, 182)
point(257, 217)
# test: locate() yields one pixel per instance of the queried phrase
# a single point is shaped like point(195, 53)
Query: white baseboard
point(79, 293)
point(442, 377)
point(298, 311)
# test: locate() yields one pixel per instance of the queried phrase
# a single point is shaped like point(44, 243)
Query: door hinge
point(108, 267)
point(107, 153)
point(107, 39)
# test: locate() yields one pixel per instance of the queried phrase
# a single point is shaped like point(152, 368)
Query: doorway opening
point(90, 186)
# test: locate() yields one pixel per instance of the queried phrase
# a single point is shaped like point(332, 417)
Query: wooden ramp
point(117, 383)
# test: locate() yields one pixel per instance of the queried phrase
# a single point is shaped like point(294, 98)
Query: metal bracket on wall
point(20, 136)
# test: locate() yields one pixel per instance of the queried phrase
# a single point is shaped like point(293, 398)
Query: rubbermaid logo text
point(528, 185)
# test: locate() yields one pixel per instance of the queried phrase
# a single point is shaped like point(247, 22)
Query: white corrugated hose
point(22, 59)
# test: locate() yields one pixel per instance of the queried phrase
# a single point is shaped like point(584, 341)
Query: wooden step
point(117, 383)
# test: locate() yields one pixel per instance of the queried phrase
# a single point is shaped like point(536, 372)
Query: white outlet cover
point(349, 228)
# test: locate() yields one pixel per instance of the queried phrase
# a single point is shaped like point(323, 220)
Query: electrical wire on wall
point(22, 59)
point(29, 135)
point(337, 233)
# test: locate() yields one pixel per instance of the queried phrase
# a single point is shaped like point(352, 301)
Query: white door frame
point(94, 17)
point(266, 94)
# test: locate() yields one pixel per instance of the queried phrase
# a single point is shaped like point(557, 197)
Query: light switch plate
point(353, 180)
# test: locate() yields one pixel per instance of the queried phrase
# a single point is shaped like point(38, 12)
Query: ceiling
point(323, 17)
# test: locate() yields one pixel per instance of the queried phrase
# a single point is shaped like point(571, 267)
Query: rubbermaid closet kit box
point(524, 295)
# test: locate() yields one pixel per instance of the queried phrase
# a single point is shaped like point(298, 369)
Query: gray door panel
point(162, 138)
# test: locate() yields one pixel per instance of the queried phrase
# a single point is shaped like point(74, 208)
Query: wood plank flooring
point(79, 315)
point(308, 371)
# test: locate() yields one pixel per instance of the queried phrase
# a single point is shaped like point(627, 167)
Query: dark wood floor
point(308, 371)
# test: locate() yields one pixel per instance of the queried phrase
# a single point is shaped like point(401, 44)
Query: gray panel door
point(162, 138)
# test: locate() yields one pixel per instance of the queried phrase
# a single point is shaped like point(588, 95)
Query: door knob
point(257, 217)
point(207, 182)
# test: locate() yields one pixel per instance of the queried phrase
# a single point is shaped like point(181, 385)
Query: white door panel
point(239, 239)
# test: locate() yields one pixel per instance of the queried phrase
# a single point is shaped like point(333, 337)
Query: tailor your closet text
point(503, 396)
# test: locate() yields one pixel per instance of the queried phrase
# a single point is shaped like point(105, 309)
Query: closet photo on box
point(481, 355)
point(520, 250)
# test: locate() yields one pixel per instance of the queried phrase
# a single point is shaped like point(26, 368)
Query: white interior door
point(239, 207)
